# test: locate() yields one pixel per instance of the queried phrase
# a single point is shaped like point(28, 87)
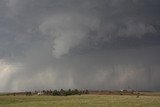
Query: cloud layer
point(86, 44)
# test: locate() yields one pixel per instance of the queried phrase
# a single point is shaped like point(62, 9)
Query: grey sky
point(85, 44)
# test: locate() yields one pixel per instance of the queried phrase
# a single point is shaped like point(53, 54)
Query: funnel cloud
point(84, 44)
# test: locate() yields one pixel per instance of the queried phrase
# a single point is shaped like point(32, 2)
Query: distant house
point(40, 93)
point(128, 90)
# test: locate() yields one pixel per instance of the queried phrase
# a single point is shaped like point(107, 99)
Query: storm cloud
point(85, 44)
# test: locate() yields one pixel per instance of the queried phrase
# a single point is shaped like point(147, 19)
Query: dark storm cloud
point(94, 44)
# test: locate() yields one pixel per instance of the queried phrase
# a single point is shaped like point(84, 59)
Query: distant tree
point(35, 92)
point(62, 92)
point(75, 92)
point(86, 92)
point(50, 92)
point(69, 92)
point(44, 91)
point(56, 93)
point(28, 93)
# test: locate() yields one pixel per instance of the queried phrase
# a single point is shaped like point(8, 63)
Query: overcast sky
point(84, 44)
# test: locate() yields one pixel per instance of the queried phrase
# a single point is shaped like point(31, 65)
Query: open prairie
point(80, 101)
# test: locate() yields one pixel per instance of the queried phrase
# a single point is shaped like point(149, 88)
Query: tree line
point(69, 92)
point(60, 92)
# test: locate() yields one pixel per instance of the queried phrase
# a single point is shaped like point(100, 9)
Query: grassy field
point(80, 101)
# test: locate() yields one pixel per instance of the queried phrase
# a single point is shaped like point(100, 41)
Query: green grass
point(80, 101)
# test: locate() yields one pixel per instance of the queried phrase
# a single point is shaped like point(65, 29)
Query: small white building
point(40, 93)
